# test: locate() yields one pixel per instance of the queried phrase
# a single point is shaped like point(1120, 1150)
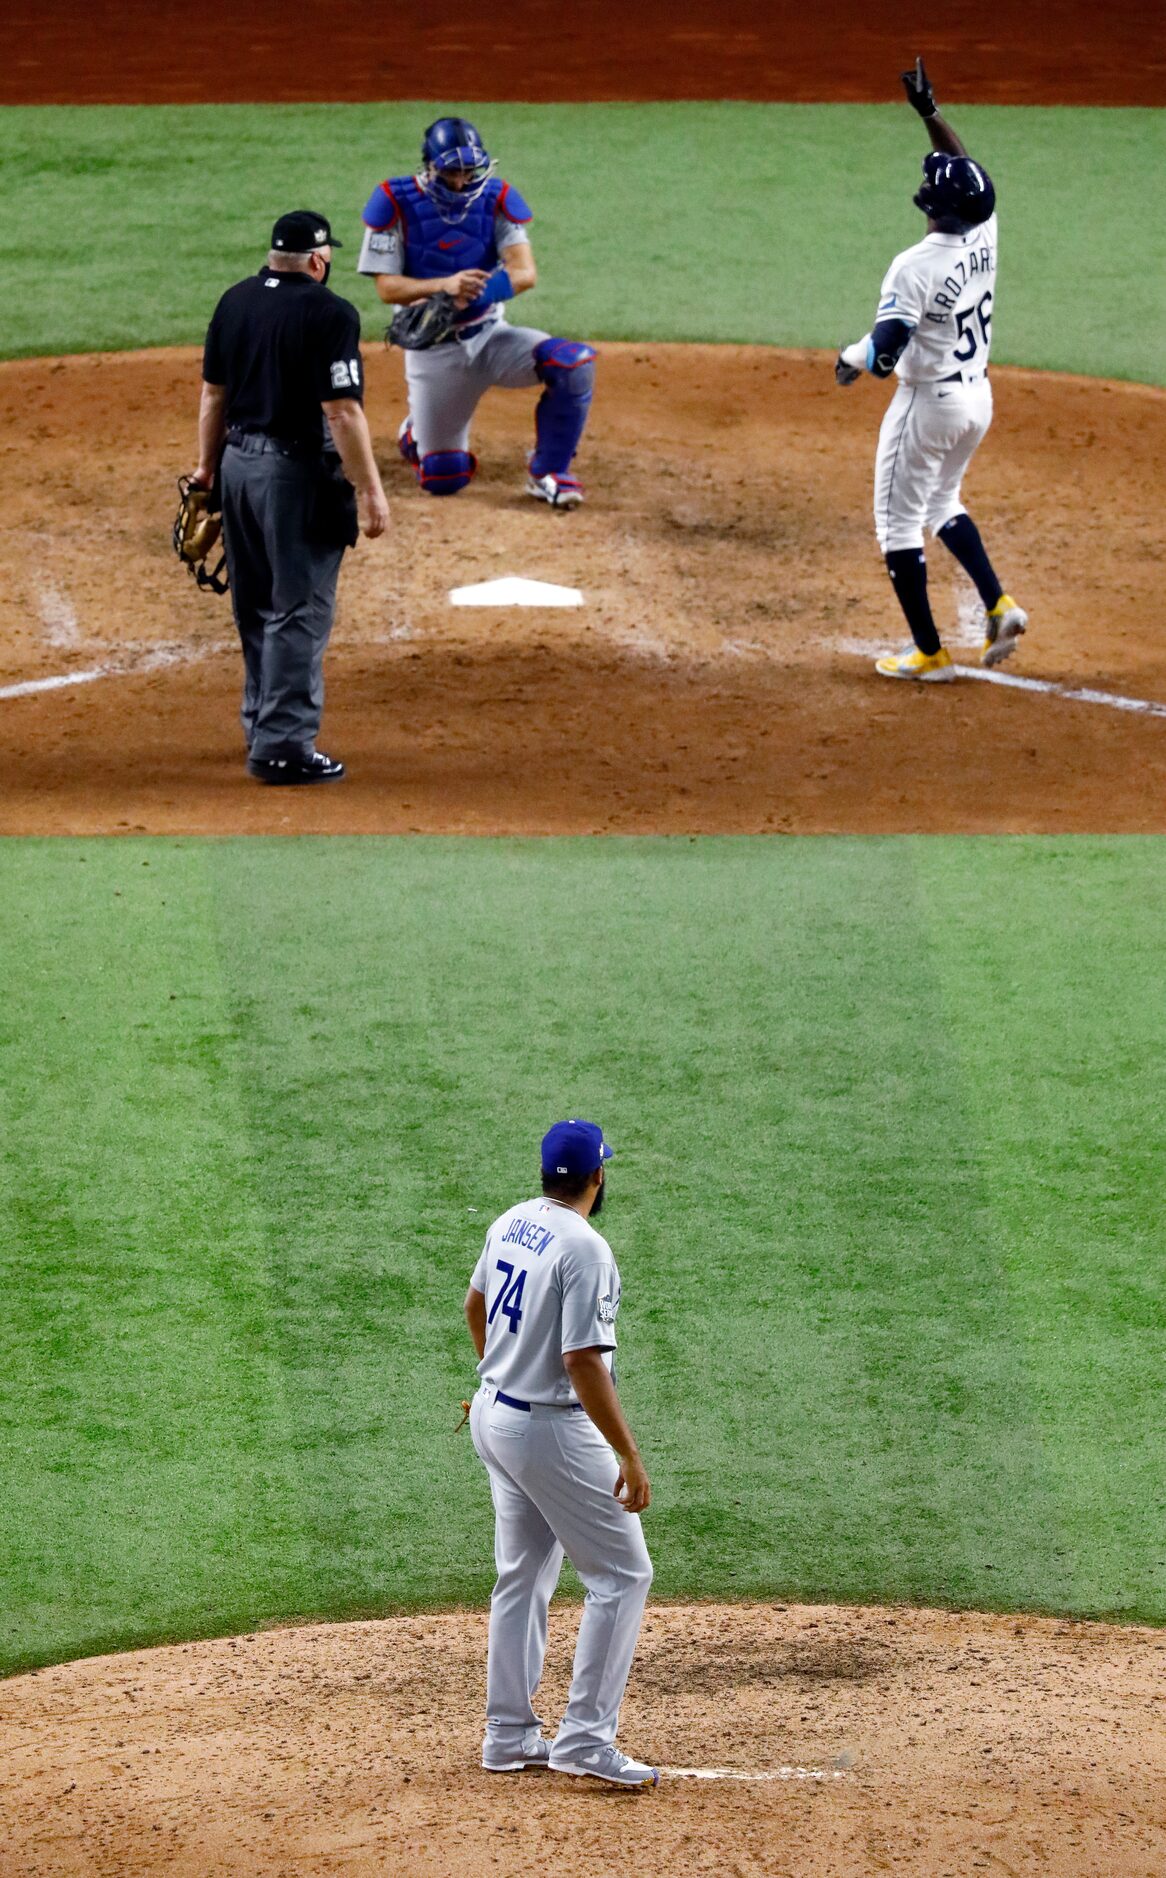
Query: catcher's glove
point(426, 323)
point(196, 532)
point(917, 86)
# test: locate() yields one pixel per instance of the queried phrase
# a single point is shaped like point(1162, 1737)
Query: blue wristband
point(498, 287)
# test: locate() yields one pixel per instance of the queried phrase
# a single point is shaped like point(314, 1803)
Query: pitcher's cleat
point(932, 667)
point(533, 1752)
point(1005, 622)
point(619, 1770)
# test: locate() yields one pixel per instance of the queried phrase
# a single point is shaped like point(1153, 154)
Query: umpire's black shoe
point(296, 767)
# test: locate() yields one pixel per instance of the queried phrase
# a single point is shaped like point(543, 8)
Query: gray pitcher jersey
point(551, 1285)
point(944, 287)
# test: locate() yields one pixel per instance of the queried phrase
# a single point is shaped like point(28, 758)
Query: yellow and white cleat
point(932, 667)
point(1006, 622)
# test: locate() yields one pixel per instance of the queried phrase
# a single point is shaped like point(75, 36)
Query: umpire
point(281, 422)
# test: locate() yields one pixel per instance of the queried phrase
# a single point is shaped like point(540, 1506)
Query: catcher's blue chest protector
point(434, 246)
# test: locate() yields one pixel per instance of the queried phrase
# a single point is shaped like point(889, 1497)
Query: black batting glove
point(917, 86)
point(845, 374)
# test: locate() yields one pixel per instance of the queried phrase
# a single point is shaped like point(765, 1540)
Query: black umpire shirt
point(281, 344)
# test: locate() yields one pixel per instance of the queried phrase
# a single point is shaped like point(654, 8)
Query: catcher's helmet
point(453, 143)
point(955, 189)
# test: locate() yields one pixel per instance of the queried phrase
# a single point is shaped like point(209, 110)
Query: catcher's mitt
point(196, 532)
point(426, 323)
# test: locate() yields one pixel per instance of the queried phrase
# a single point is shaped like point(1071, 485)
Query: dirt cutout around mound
point(846, 1741)
point(718, 677)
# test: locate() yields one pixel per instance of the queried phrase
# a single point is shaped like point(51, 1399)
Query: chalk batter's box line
point(129, 668)
point(1075, 694)
point(1080, 694)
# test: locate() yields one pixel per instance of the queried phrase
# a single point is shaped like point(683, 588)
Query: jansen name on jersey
point(551, 1285)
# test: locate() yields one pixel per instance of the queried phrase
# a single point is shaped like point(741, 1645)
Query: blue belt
point(511, 1401)
point(460, 334)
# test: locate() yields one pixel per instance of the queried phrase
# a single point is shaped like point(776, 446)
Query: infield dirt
point(719, 676)
point(946, 1745)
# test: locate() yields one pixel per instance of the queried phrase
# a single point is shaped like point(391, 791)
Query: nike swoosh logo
point(453, 242)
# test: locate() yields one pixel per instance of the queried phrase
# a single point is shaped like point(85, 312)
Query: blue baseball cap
point(574, 1148)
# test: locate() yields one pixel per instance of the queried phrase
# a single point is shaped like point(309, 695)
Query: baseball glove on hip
point(426, 323)
point(196, 533)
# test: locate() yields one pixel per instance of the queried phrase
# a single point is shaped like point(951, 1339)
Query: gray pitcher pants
point(283, 591)
point(552, 1476)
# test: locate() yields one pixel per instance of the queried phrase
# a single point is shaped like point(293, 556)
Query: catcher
point(448, 247)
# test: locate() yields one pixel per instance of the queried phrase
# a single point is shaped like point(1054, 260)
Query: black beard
point(597, 1202)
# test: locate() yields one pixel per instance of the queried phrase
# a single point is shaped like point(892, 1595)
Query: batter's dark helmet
point(955, 189)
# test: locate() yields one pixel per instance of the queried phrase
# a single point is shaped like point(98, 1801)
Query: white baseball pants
point(928, 437)
point(552, 1477)
point(447, 383)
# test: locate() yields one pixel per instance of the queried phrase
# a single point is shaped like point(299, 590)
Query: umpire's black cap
point(301, 230)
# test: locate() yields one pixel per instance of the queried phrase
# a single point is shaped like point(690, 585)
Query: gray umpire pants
point(283, 591)
point(552, 1476)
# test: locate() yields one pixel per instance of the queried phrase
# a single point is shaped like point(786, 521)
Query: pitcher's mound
point(843, 1741)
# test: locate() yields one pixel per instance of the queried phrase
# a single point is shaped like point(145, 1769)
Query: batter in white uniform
point(565, 1473)
point(933, 330)
point(457, 227)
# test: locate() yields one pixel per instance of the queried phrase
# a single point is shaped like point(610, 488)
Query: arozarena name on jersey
point(964, 269)
point(524, 1232)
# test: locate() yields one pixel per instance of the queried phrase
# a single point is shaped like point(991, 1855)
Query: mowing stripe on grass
point(771, 224)
point(887, 1204)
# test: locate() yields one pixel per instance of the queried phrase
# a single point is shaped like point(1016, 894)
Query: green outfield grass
point(724, 222)
point(887, 1200)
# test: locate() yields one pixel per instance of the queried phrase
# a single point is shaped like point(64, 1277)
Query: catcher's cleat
point(559, 492)
point(933, 667)
point(406, 442)
point(1006, 621)
point(619, 1770)
point(295, 768)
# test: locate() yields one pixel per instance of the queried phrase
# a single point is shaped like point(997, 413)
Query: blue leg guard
point(444, 472)
point(567, 369)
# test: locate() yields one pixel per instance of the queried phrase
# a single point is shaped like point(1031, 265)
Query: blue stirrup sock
point(962, 538)
point(908, 571)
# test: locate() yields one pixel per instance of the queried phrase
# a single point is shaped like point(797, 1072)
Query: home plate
point(514, 590)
